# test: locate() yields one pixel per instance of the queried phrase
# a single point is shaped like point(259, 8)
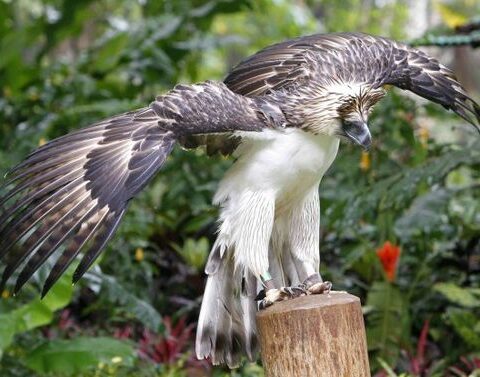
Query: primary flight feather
point(282, 112)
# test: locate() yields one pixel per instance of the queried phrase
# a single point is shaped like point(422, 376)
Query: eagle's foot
point(319, 288)
point(315, 285)
point(285, 293)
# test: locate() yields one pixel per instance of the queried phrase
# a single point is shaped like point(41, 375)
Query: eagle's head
point(342, 110)
point(353, 110)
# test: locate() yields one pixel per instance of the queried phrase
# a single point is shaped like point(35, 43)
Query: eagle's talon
point(292, 292)
point(319, 288)
point(270, 296)
point(261, 295)
point(284, 293)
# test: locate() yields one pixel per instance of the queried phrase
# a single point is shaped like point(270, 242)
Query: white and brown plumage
point(281, 111)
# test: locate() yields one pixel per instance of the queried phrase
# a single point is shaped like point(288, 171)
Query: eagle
point(281, 113)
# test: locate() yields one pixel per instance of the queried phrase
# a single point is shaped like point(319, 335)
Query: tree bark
point(316, 335)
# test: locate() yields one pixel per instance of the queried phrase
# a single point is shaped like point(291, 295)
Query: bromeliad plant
point(387, 315)
point(168, 347)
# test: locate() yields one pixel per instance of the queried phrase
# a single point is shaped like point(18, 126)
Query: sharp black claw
point(293, 292)
point(268, 298)
point(261, 295)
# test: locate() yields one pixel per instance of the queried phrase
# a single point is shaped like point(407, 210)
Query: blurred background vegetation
point(400, 225)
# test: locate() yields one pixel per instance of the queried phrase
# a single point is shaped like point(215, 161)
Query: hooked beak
point(358, 132)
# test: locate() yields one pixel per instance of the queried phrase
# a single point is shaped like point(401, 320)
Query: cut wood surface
point(316, 335)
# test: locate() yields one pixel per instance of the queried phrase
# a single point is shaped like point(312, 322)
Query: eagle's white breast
point(286, 163)
point(276, 171)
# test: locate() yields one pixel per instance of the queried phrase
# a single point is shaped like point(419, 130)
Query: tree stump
point(316, 335)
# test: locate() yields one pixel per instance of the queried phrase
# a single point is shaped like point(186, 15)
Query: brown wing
point(320, 59)
point(272, 68)
point(291, 63)
point(414, 70)
point(73, 191)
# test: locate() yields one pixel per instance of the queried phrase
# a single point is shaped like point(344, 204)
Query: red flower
point(388, 255)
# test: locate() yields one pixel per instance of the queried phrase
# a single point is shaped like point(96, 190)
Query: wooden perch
point(317, 336)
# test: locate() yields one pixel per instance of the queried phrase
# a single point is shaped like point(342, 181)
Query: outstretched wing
point(273, 68)
point(326, 59)
point(73, 191)
point(414, 70)
point(377, 61)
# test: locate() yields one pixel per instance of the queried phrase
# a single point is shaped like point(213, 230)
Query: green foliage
point(466, 297)
point(388, 318)
point(194, 252)
point(67, 357)
point(463, 316)
point(35, 313)
point(121, 298)
point(465, 323)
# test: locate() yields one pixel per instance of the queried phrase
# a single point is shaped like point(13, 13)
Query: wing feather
point(276, 67)
point(87, 231)
point(411, 69)
point(323, 59)
point(110, 225)
point(273, 68)
point(58, 233)
point(72, 193)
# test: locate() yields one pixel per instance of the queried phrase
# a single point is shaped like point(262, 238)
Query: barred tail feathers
point(226, 327)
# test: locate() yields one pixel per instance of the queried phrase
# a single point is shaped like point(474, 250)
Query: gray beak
point(358, 133)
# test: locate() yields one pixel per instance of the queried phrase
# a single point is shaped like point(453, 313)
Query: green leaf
point(194, 252)
point(469, 298)
point(166, 26)
point(141, 309)
point(388, 320)
point(7, 331)
point(110, 52)
point(78, 355)
point(424, 214)
point(35, 313)
point(465, 323)
point(388, 369)
point(32, 315)
point(61, 293)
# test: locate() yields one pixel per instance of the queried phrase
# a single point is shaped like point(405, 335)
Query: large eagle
point(282, 112)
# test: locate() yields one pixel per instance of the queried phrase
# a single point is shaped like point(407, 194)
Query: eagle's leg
point(270, 294)
point(312, 282)
point(304, 243)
